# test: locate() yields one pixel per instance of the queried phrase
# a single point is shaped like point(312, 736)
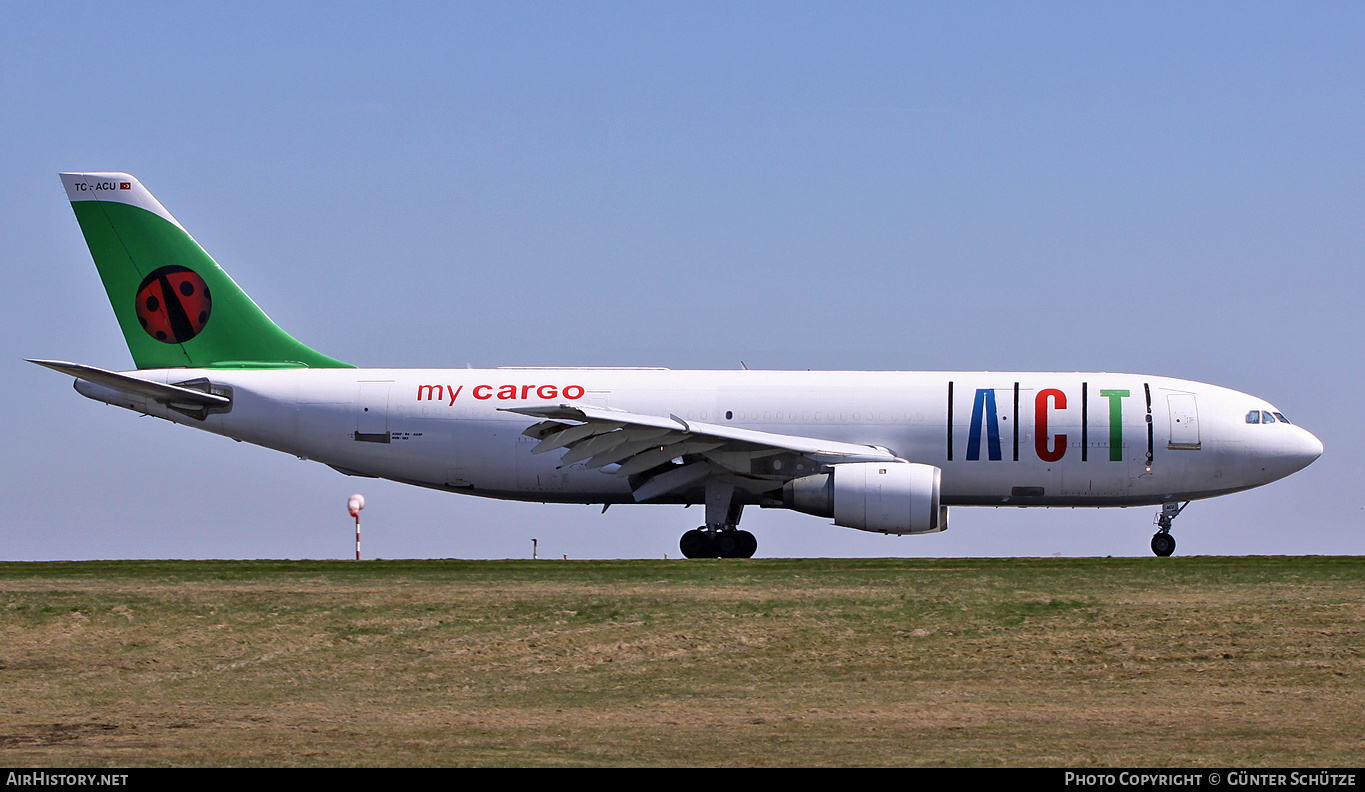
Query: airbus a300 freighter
point(877, 451)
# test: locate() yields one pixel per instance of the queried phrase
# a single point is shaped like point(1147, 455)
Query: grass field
point(1205, 661)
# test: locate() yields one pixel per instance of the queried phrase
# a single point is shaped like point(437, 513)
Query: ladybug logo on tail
point(173, 304)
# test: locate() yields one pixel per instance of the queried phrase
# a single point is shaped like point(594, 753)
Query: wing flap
point(658, 456)
point(601, 420)
point(671, 454)
point(574, 434)
point(672, 480)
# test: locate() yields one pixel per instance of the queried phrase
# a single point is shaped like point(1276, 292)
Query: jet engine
point(882, 497)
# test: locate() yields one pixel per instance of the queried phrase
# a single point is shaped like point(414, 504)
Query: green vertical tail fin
point(175, 305)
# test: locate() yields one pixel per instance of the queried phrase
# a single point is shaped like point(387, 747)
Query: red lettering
point(429, 392)
point(1040, 425)
point(453, 393)
point(503, 392)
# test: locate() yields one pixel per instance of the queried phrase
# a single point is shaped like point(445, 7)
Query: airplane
point(880, 451)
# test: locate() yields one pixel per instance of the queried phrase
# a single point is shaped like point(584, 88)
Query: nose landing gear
point(1163, 544)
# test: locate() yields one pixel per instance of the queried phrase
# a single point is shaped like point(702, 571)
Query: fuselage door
point(1184, 421)
point(372, 412)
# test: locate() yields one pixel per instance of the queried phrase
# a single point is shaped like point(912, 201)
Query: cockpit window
point(1267, 417)
point(1254, 416)
point(1282, 418)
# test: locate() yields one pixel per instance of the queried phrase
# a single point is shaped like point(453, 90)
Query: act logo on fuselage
point(1049, 404)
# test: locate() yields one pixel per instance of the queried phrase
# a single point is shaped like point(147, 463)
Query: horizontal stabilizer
point(156, 391)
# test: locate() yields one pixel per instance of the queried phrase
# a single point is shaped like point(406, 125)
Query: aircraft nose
point(1294, 452)
point(1307, 449)
point(1285, 452)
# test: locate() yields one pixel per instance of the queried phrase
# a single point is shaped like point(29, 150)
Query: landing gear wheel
point(748, 544)
point(696, 543)
point(735, 544)
point(701, 543)
point(1163, 544)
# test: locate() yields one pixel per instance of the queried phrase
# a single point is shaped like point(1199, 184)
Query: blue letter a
point(985, 397)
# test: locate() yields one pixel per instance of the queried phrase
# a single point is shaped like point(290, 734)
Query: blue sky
point(1170, 189)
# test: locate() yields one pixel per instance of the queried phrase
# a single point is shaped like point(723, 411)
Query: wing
point(645, 448)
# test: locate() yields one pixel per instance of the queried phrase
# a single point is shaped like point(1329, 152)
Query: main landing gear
point(724, 543)
point(1163, 544)
point(720, 537)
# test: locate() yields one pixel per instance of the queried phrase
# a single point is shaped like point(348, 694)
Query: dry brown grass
point(1076, 662)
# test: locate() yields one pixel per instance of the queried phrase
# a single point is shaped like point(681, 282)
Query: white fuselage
point(1045, 439)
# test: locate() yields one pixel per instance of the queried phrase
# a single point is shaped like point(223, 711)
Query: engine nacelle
point(883, 497)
